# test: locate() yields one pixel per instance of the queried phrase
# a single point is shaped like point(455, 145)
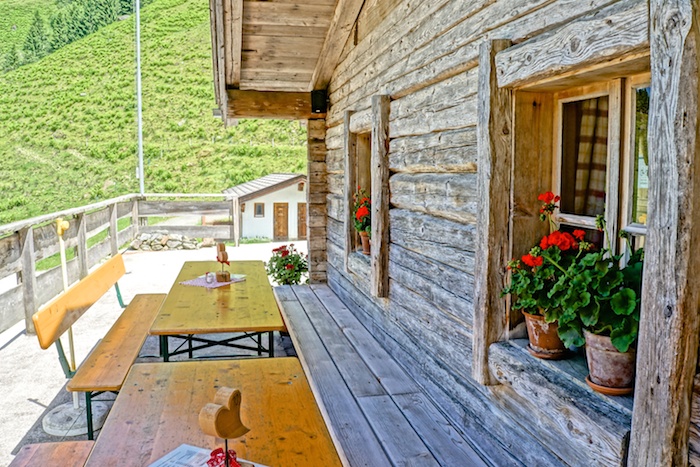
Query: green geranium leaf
point(624, 302)
point(623, 337)
point(571, 334)
point(589, 313)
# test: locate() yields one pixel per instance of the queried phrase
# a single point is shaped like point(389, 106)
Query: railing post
point(113, 229)
point(235, 220)
point(26, 238)
point(135, 218)
point(82, 250)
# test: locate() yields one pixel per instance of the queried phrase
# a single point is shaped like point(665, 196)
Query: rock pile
point(162, 240)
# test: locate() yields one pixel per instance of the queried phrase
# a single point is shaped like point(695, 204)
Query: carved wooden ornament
point(222, 418)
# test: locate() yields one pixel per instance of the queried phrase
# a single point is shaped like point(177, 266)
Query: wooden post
point(236, 220)
point(26, 239)
point(82, 250)
point(350, 147)
point(380, 196)
point(113, 229)
point(317, 209)
point(495, 160)
point(668, 336)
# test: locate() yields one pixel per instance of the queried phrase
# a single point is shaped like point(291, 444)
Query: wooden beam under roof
point(346, 13)
point(233, 16)
point(270, 104)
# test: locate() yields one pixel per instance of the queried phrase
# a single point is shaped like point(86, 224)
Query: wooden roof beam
point(233, 16)
point(270, 104)
point(344, 18)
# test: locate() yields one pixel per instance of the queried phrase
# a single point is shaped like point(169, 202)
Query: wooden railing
point(24, 243)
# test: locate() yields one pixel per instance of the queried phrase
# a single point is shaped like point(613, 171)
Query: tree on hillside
point(61, 29)
point(36, 45)
point(12, 59)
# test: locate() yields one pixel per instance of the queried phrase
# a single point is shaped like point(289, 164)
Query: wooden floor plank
point(446, 444)
point(358, 377)
point(351, 432)
point(64, 453)
point(390, 374)
point(400, 441)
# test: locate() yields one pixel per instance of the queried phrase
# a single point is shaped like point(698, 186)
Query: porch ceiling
point(284, 48)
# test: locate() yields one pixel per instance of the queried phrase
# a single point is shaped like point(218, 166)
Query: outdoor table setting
point(199, 308)
point(166, 407)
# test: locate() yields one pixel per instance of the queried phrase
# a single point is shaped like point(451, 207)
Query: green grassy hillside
point(67, 122)
point(15, 18)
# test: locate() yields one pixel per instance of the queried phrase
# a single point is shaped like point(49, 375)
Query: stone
point(144, 237)
point(157, 247)
point(164, 240)
point(177, 237)
point(189, 246)
point(146, 247)
point(135, 244)
point(173, 244)
point(208, 242)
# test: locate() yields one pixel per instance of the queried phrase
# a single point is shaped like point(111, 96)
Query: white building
point(273, 206)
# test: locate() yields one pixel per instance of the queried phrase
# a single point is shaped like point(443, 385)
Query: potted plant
point(362, 216)
point(533, 277)
point(287, 265)
point(600, 306)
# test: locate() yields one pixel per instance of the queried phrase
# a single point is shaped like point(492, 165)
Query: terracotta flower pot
point(611, 371)
point(364, 236)
point(544, 340)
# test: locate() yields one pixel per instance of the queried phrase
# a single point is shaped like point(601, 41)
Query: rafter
point(346, 13)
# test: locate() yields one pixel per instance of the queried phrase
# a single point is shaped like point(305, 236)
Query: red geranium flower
point(362, 211)
point(546, 197)
point(289, 266)
point(579, 234)
point(532, 261)
point(285, 253)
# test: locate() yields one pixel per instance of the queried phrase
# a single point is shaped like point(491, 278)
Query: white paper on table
point(191, 456)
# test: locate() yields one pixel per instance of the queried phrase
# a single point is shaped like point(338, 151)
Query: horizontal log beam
point(270, 104)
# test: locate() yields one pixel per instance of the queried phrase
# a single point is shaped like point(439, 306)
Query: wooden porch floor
point(377, 414)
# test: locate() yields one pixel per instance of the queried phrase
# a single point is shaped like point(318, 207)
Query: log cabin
point(454, 115)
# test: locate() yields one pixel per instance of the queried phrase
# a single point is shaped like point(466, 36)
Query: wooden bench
point(376, 413)
point(105, 368)
point(65, 454)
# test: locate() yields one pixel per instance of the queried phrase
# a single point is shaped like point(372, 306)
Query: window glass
point(640, 154)
point(584, 156)
point(259, 210)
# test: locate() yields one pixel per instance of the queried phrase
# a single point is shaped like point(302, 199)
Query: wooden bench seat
point(107, 365)
point(376, 413)
point(64, 453)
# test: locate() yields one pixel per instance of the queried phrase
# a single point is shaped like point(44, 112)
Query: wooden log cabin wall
point(426, 57)
point(445, 111)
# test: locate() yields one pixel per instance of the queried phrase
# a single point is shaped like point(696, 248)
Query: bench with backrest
point(105, 368)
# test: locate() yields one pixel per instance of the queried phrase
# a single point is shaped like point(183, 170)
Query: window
point(242, 207)
point(599, 164)
point(259, 209)
point(300, 186)
point(363, 174)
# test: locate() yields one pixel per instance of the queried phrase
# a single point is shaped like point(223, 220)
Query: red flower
point(546, 197)
point(579, 234)
point(532, 261)
point(285, 253)
point(289, 266)
point(362, 211)
point(562, 240)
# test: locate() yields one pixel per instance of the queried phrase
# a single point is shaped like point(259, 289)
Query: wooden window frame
point(376, 122)
point(262, 210)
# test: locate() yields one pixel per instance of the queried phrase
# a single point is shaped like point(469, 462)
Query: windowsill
point(361, 256)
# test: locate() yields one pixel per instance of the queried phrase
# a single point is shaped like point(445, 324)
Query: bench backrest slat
point(54, 318)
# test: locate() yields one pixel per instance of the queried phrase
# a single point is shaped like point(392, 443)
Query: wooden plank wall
point(424, 55)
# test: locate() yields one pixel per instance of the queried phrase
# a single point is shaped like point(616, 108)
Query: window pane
point(641, 156)
point(584, 156)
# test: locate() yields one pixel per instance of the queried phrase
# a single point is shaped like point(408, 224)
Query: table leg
point(189, 346)
point(164, 348)
point(88, 414)
point(271, 345)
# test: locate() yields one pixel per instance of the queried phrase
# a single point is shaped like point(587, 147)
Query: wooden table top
point(247, 306)
point(158, 408)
